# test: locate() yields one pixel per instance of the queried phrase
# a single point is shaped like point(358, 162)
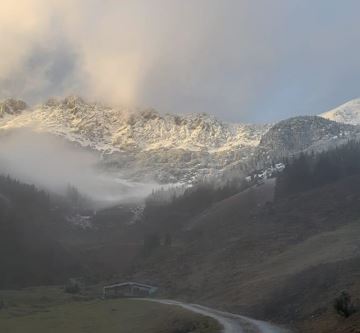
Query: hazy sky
point(242, 60)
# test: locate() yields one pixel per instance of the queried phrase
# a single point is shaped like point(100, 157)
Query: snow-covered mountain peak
point(348, 113)
point(110, 129)
point(144, 141)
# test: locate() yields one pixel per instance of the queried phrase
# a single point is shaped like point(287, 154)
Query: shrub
point(344, 305)
point(72, 287)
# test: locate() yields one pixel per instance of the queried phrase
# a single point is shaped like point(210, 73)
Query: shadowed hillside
point(281, 250)
point(31, 226)
point(284, 257)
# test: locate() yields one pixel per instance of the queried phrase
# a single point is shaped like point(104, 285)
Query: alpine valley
point(256, 220)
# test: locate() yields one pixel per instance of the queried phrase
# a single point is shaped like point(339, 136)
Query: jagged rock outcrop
point(12, 106)
point(143, 143)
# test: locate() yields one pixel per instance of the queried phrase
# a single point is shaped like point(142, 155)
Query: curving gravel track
point(232, 323)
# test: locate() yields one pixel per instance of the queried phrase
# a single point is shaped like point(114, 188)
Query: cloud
point(36, 57)
point(53, 163)
point(239, 59)
point(23, 25)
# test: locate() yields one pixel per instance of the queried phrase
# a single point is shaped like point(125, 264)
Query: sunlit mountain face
point(142, 143)
point(132, 146)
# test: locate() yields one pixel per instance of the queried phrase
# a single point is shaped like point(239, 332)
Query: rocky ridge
point(142, 143)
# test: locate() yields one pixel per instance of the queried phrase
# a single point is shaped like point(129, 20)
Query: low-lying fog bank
point(52, 163)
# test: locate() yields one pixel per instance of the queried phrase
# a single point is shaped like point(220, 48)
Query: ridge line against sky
point(241, 60)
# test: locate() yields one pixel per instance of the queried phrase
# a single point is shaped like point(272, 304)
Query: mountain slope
point(119, 129)
point(169, 147)
point(348, 113)
point(284, 260)
point(282, 256)
point(143, 144)
point(306, 133)
point(31, 225)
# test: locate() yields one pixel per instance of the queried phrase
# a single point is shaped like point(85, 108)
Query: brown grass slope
point(284, 260)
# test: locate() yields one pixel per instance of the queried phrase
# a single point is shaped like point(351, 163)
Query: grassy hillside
point(49, 310)
point(282, 259)
point(278, 251)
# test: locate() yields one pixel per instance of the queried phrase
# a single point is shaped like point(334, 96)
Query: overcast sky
point(242, 60)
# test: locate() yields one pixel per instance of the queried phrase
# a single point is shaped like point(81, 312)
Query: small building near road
point(128, 289)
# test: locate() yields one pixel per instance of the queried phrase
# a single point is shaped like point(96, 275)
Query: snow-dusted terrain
point(120, 129)
point(348, 113)
point(143, 144)
point(304, 133)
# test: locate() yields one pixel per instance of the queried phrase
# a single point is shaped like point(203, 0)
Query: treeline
point(175, 211)
point(14, 194)
point(30, 223)
point(309, 171)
